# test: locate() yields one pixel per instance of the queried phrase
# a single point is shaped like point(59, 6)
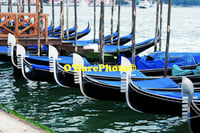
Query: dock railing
point(19, 24)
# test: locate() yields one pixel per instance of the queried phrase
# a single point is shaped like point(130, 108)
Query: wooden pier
point(62, 46)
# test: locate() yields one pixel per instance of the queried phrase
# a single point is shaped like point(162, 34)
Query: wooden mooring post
point(67, 19)
point(29, 6)
point(161, 18)
point(75, 17)
point(118, 29)
point(94, 21)
point(111, 28)
point(156, 30)
point(168, 38)
point(38, 31)
point(102, 33)
point(133, 29)
point(61, 21)
point(53, 23)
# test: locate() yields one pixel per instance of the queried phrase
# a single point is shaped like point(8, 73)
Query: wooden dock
point(63, 47)
point(10, 123)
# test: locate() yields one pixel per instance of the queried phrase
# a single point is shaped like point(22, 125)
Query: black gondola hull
point(151, 103)
point(37, 74)
point(194, 119)
point(102, 92)
point(65, 78)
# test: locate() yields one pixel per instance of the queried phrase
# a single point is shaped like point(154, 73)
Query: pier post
point(118, 29)
point(53, 26)
point(133, 29)
point(29, 6)
point(156, 31)
point(38, 29)
point(75, 17)
point(67, 19)
point(18, 6)
point(41, 12)
point(168, 38)
point(111, 29)
point(0, 10)
point(100, 24)
point(22, 6)
point(61, 20)
point(102, 33)
point(161, 17)
point(94, 21)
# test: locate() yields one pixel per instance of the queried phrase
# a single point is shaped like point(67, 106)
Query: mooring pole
point(75, 13)
point(133, 29)
point(29, 6)
point(61, 21)
point(67, 19)
point(102, 32)
point(38, 29)
point(22, 6)
point(94, 21)
point(111, 29)
point(100, 36)
point(41, 12)
point(168, 38)
point(161, 17)
point(53, 26)
point(8, 5)
point(0, 10)
point(118, 29)
point(156, 30)
point(18, 6)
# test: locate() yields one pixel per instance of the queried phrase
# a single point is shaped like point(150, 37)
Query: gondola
point(127, 50)
point(80, 34)
point(153, 64)
point(106, 85)
point(88, 42)
point(194, 118)
point(57, 32)
point(32, 71)
point(4, 54)
point(147, 96)
point(66, 78)
point(39, 70)
point(123, 40)
point(103, 89)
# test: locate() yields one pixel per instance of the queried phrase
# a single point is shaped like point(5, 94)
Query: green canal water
point(66, 110)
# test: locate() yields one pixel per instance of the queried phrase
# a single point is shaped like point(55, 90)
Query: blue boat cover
point(135, 73)
point(158, 62)
point(62, 59)
point(43, 67)
point(153, 83)
point(3, 49)
point(172, 94)
point(177, 71)
point(157, 83)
